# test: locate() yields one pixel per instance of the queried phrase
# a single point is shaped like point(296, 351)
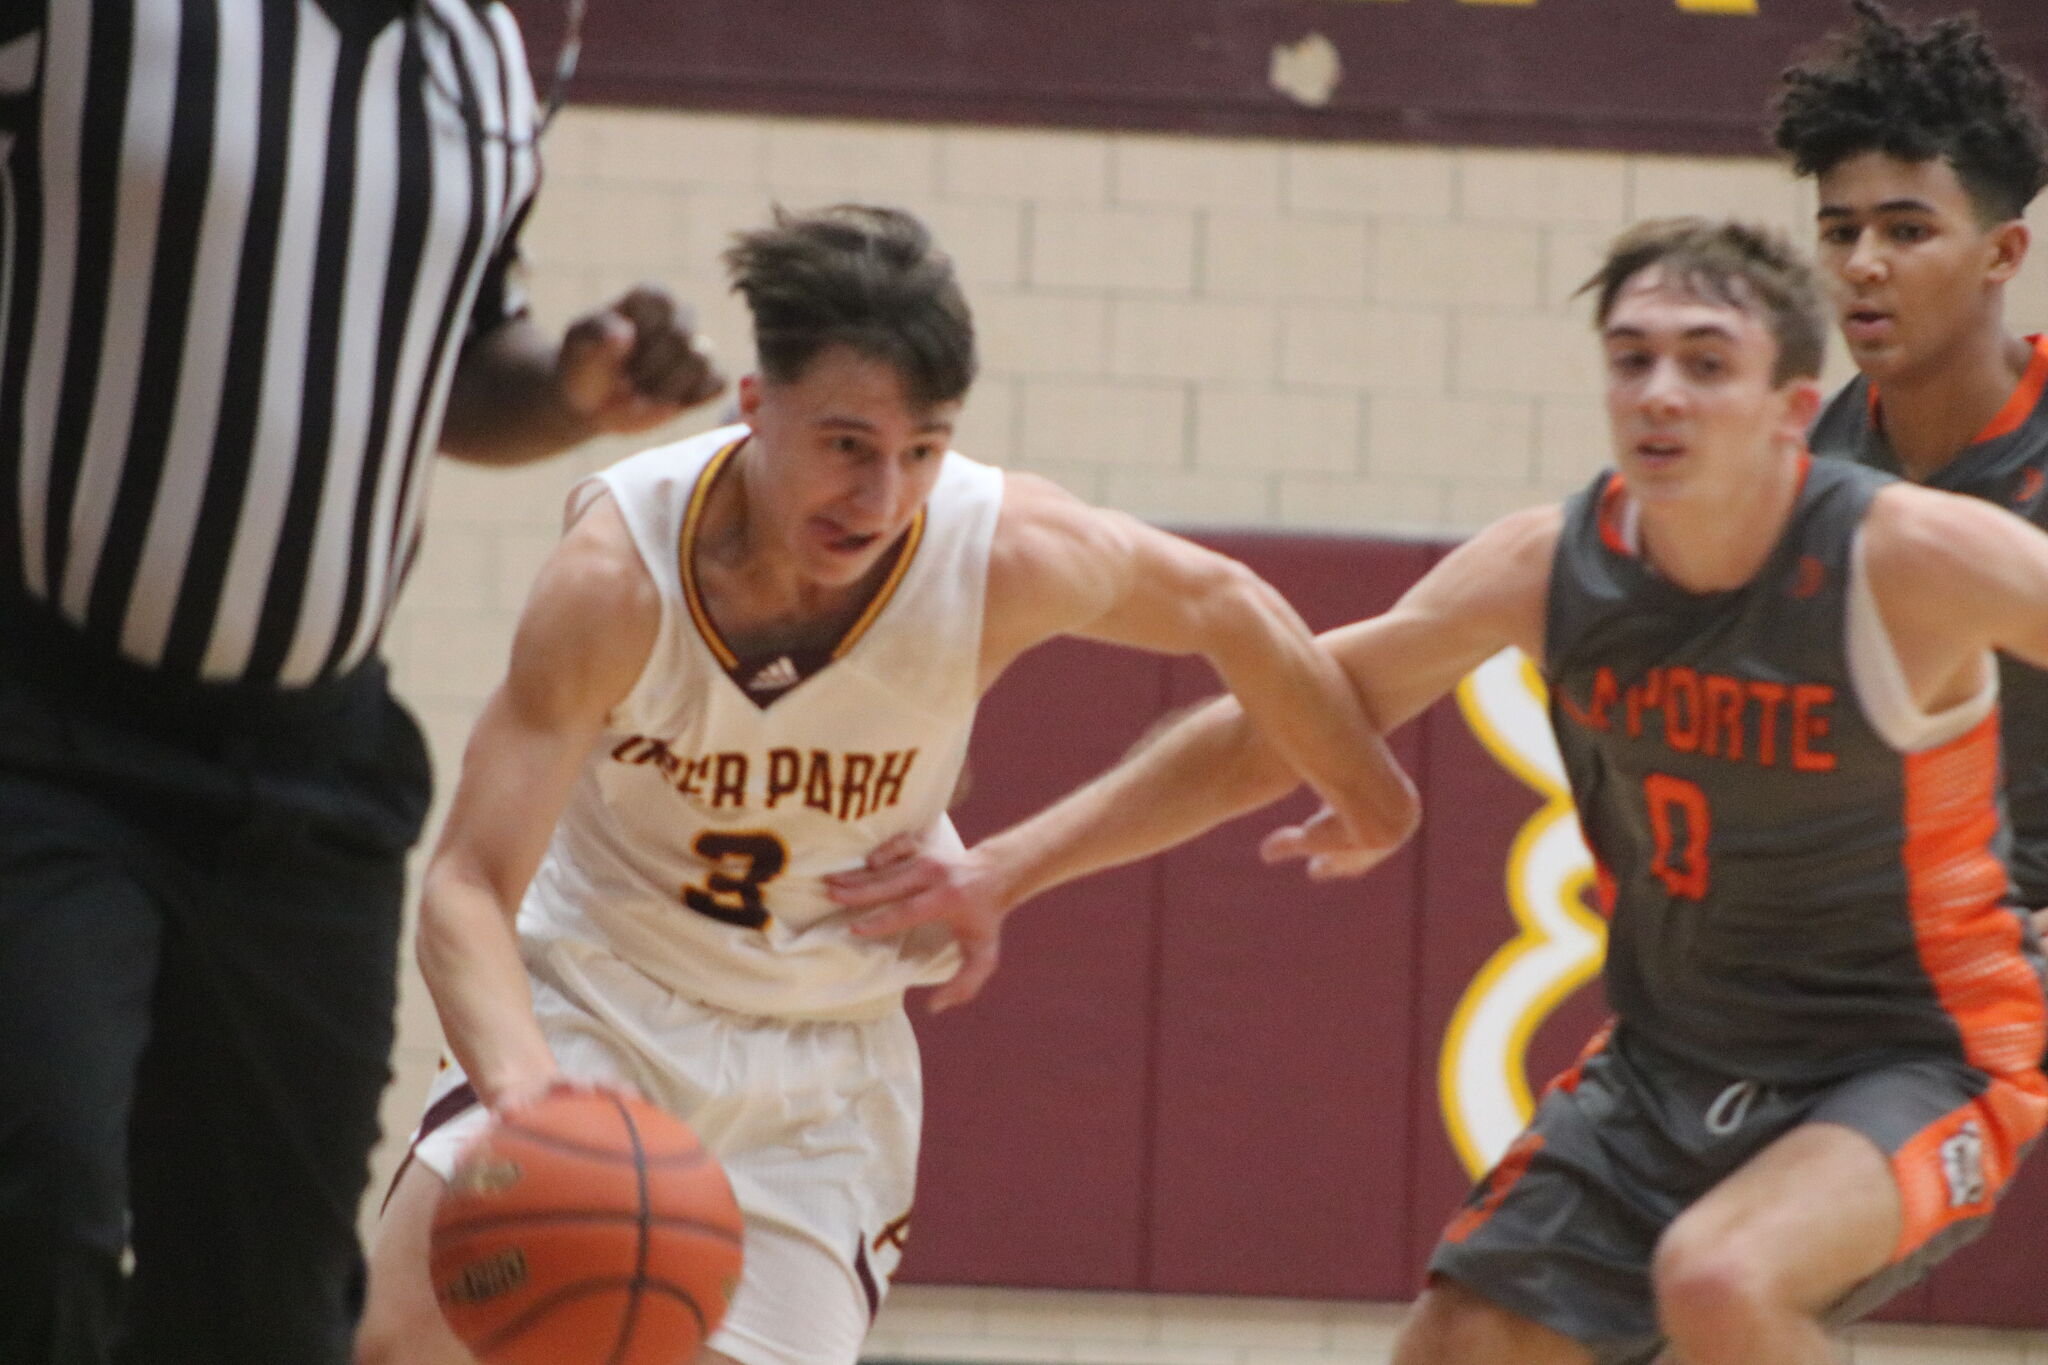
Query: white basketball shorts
point(815, 1122)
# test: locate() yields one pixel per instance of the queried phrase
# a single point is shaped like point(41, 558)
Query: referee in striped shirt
point(257, 261)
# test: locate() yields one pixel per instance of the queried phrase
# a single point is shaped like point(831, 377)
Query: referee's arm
point(518, 395)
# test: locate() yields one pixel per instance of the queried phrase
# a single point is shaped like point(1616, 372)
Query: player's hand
point(904, 885)
point(520, 1093)
point(2041, 925)
point(510, 1101)
point(1327, 845)
point(635, 364)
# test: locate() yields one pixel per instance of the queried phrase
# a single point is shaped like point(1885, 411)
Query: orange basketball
point(590, 1228)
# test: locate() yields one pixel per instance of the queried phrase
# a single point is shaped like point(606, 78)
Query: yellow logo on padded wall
point(1482, 1073)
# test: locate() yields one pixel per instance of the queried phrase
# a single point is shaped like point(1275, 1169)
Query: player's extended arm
point(1215, 764)
point(519, 396)
point(1212, 764)
point(1061, 567)
point(582, 642)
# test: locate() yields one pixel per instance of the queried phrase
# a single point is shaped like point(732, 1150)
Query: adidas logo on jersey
point(776, 676)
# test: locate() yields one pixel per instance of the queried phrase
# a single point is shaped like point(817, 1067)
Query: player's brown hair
point(860, 276)
point(1744, 266)
point(1939, 92)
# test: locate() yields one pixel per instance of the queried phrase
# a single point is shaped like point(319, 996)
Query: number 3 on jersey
point(1673, 798)
point(740, 864)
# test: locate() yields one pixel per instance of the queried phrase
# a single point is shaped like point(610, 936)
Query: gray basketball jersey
point(1792, 897)
point(2008, 465)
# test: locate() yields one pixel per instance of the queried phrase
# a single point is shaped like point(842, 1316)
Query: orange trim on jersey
point(1609, 517)
point(1969, 946)
point(1954, 1169)
point(2025, 398)
point(911, 539)
point(1968, 936)
point(686, 545)
point(2019, 406)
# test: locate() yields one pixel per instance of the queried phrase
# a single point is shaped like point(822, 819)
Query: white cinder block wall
point(1200, 331)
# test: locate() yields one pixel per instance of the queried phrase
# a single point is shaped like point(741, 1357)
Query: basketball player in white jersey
point(755, 658)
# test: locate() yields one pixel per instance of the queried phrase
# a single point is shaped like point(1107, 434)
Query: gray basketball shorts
point(1562, 1229)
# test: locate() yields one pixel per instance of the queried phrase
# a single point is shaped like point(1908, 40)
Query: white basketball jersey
point(723, 791)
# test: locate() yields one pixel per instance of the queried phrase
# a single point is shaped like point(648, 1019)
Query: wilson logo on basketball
point(485, 1176)
point(498, 1273)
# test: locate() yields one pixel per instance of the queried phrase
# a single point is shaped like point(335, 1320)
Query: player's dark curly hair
point(1752, 268)
point(859, 276)
point(1940, 92)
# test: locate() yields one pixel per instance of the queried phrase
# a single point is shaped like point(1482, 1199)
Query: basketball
point(590, 1228)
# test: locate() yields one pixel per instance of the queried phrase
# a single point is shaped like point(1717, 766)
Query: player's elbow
point(1380, 802)
point(1229, 607)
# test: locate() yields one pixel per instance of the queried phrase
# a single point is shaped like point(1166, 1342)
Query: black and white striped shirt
point(242, 243)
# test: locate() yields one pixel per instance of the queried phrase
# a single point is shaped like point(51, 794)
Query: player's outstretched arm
point(582, 642)
point(1212, 763)
point(518, 395)
point(1061, 567)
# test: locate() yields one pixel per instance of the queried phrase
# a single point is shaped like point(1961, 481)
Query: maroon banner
point(1650, 75)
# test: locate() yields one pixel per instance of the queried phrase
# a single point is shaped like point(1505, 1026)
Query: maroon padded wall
point(1266, 1043)
point(1200, 1075)
point(1037, 1167)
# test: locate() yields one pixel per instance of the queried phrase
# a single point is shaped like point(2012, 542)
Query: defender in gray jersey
point(1773, 684)
point(1926, 152)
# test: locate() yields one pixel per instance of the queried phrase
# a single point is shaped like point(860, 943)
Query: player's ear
point(749, 397)
point(2010, 241)
point(1803, 399)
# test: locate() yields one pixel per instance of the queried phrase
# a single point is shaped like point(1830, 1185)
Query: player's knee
point(1450, 1325)
point(1711, 1296)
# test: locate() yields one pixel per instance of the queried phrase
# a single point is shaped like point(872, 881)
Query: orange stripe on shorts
point(1955, 1168)
point(1513, 1165)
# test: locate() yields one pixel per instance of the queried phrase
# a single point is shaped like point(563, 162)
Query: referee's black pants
point(200, 894)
